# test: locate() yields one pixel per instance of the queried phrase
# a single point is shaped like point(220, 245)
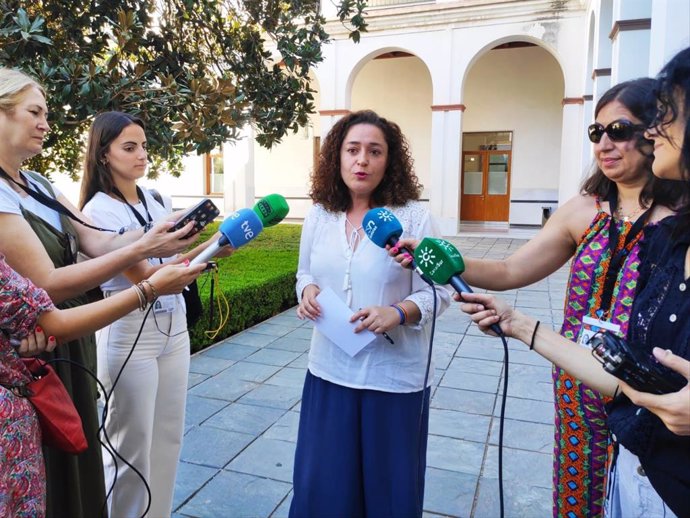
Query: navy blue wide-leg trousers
point(360, 453)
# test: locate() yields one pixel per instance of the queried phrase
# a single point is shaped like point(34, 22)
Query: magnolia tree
point(196, 71)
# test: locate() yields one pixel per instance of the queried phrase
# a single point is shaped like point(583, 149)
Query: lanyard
point(617, 258)
point(136, 213)
point(49, 202)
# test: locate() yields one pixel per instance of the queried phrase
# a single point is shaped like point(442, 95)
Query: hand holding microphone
point(439, 260)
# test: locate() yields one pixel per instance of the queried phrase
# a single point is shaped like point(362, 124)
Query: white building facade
point(493, 96)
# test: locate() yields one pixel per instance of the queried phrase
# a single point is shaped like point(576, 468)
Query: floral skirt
point(22, 472)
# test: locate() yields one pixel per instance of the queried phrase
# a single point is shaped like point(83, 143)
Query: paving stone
point(469, 381)
point(284, 428)
point(199, 409)
point(268, 458)
point(298, 345)
point(519, 467)
point(248, 419)
point(236, 495)
point(190, 478)
point(194, 378)
point(226, 388)
point(230, 351)
point(273, 357)
point(524, 435)
point(205, 364)
point(213, 447)
point(466, 400)
point(527, 410)
point(272, 396)
point(475, 366)
point(288, 377)
point(454, 455)
point(250, 371)
point(251, 338)
point(449, 493)
point(303, 332)
point(272, 328)
point(460, 425)
point(520, 500)
point(301, 362)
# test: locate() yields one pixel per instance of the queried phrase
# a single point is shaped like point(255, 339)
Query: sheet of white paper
point(334, 322)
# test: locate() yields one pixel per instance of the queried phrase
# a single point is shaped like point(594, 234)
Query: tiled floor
point(244, 402)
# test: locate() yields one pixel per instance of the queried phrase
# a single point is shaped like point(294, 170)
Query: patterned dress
point(581, 445)
point(22, 473)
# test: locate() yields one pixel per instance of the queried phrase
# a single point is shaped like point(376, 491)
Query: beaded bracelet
point(400, 312)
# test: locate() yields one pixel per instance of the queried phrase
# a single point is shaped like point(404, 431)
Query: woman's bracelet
point(141, 295)
point(154, 291)
point(400, 313)
point(534, 335)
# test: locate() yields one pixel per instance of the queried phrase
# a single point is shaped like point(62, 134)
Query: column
point(571, 168)
point(444, 197)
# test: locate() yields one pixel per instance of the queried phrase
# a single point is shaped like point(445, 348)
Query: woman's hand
point(486, 310)
point(405, 259)
point(377, 319)
point(674, 408)
point(158, 242)
point(173, 278)
point(36, 343)
point(308, 307)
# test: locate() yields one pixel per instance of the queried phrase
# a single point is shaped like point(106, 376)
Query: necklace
point(627, 217)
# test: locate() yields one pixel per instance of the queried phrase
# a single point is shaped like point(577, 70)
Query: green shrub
point(258, 280)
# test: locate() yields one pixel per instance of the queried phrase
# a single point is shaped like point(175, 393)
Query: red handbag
point(60, 422)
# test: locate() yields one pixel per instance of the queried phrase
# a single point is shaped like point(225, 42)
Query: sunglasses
point(618, 131)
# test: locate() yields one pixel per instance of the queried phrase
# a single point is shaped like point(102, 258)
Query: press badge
point(591, 326)
point(165, 304)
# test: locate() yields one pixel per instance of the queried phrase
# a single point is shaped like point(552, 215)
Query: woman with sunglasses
point(650, 476)
point(600, 231)
point(42, 244)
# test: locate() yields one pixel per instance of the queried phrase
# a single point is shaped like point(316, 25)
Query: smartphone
point(202, 213)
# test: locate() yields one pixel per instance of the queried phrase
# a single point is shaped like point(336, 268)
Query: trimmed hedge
point(258, 281)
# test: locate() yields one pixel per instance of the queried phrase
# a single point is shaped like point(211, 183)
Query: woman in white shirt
point(361, 446)
point(145, 420)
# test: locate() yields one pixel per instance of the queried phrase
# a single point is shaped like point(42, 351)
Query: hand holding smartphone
point(202, 213)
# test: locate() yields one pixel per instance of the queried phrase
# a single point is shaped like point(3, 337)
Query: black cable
point(114, 453)
point(501, 420)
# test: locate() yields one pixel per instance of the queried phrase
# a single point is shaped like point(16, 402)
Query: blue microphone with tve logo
point(237, 229)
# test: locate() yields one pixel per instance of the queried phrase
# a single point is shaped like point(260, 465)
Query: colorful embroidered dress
point(581, 435)
point(22, 474)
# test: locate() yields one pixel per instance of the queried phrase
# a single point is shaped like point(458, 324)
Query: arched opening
point(397, 85)
point(511, 134)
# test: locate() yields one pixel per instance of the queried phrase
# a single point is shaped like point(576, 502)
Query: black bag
point(191, 296)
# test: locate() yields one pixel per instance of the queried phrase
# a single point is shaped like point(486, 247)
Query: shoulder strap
point(49, 202)
point(157, 196)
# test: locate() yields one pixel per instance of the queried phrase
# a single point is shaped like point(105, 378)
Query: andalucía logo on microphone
point(427, 257)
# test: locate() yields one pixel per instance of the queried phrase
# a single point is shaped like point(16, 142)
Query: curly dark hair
point(638, 97)
point(399, 184)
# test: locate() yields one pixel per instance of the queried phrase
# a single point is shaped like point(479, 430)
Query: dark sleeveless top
point(75, 483)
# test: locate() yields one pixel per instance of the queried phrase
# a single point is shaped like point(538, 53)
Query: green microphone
point(271, 209)
point(439, 260)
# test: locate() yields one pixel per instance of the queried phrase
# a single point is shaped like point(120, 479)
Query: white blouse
point(107, 212)
point(369, 277)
